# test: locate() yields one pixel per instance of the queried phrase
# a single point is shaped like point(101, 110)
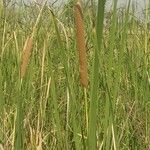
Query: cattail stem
point(86, 108)
point(81, 45)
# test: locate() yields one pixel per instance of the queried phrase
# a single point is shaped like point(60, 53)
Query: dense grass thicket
point(43, 103)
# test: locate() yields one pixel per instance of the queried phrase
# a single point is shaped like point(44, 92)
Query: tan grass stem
point(81, 44)
point(27, 50)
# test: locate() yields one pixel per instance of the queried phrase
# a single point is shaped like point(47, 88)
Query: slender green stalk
point(86, 109)
point(92, 139)
point(56, 115)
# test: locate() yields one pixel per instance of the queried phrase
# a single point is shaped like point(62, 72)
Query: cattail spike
point(81, 44)
point(27, 50)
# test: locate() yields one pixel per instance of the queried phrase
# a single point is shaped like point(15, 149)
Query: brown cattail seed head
point(27, 50)
point(81, 45)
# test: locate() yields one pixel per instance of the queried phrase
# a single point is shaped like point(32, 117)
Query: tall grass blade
point(92, 140)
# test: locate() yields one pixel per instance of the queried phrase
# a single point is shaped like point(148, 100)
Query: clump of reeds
point(81, 44)
point(27, 50)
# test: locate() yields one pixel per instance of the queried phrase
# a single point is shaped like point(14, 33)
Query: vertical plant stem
point(92, 141)
point(86, 108)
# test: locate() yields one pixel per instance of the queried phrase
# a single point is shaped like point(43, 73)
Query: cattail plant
point(27, 50)
point(81, 44)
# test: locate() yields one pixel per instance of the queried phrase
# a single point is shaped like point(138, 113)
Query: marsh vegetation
point(53, 95)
